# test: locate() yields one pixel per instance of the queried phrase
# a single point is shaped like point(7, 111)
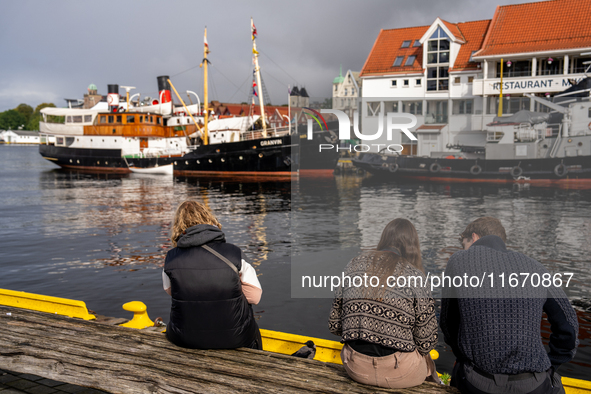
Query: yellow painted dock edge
point(284, 343)
point(576, 386)
point(273, 341)
point(41, 303)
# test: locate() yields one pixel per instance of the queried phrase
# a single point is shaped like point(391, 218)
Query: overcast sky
point(51, 50)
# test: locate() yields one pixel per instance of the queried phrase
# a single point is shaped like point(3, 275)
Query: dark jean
point(469, 381)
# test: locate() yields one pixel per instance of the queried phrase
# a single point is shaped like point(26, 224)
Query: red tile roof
point(474, 33)
point(453, 28)
point(542, 26)
point(388, 46)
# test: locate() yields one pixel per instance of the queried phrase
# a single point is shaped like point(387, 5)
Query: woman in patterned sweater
point(388, 327)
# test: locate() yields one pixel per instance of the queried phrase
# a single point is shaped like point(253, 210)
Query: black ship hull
point(546, 170)
point(99, 160)
point(274, 156)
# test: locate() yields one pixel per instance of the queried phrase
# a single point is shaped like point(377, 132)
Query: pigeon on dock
point(307, 351)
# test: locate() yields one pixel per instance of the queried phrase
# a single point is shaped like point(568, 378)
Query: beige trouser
point(396, 371)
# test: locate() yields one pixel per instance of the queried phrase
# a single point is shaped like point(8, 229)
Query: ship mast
point(205, 100)
point(257, 71)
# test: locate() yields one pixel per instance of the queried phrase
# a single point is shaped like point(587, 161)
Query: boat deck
point(117, 359)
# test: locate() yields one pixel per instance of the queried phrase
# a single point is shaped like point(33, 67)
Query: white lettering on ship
point(271, 142)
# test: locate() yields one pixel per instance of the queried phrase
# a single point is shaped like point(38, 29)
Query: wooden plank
point(123, 360)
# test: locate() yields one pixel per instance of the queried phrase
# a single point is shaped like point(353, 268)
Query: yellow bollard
point(140, 315)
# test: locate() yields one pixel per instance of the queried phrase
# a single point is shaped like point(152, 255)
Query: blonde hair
point(191, 213)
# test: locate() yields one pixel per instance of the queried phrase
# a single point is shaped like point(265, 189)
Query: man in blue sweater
point(493, 326)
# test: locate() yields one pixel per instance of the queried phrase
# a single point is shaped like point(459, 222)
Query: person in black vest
point(211, 284)
point(494, 328)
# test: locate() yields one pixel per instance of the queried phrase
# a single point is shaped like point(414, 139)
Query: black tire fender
point(516, 171)
point(560, 170)
point(475, 169)
point(393, 167)
point(435, 167)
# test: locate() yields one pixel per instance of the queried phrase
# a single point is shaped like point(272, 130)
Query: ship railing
point(258, 134)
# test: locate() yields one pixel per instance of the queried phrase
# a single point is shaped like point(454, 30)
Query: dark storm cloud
point(54, 50)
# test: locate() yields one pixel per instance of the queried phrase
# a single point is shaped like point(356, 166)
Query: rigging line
point(281, 82)
point(281, 68)
point(218, 70)
point(215, 92)
point(246, 80)
point(182, 72)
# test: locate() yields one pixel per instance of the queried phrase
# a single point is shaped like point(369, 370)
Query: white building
point(345, 92)
point(448, 74)
point(19, 137)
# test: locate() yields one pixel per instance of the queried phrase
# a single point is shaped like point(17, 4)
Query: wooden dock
point(100, 355)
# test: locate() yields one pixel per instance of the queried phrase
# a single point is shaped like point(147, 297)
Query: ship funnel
point(113, 97)
point(164, 89)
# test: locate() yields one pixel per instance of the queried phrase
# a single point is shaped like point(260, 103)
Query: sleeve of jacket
point(449, 318)
point(335, 321)
point(425, 329)
point(564, 327)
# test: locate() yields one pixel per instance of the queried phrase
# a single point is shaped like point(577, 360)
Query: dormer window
point(398, 61)
point(410, 60)
point(438, 61)
point(416, 44)
point(405, 44)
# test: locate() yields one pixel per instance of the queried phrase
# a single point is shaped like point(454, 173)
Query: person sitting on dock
point(211, 284)
point(494, 328)
point(388, 330)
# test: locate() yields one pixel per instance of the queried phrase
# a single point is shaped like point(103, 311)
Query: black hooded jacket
point(209, 310)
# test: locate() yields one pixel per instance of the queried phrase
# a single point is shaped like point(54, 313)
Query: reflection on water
point(103, 238)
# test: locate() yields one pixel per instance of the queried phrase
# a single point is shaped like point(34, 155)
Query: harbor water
point(103, 238)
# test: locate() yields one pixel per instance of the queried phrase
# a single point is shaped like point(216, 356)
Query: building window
point(373, 108)
point(436, 112)
point(511, 104)
point(130, 119)
point(521, 68)
point(393, 83)
point(345, 91)
point(412, 107)
point(87, 118)
point(578, 66)
point(554, 68)
point(391, 106)
point(472, 54)
point(416, 44)
point(418, 82)
point(589, 115)
point(457, 80)
point(398, 61)
point(111, 118)
point(461, 107)
point(438, 61)
point(410, 60)
point(470, 79)
point(406, 83)
point(405, 44)
point(352, 91)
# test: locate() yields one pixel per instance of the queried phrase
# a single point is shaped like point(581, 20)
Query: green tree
point(25, 110)
point(33, 123)
point(44, 105)
point(11, 120)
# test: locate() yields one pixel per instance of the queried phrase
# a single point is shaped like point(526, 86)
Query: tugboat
point(528, 147)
